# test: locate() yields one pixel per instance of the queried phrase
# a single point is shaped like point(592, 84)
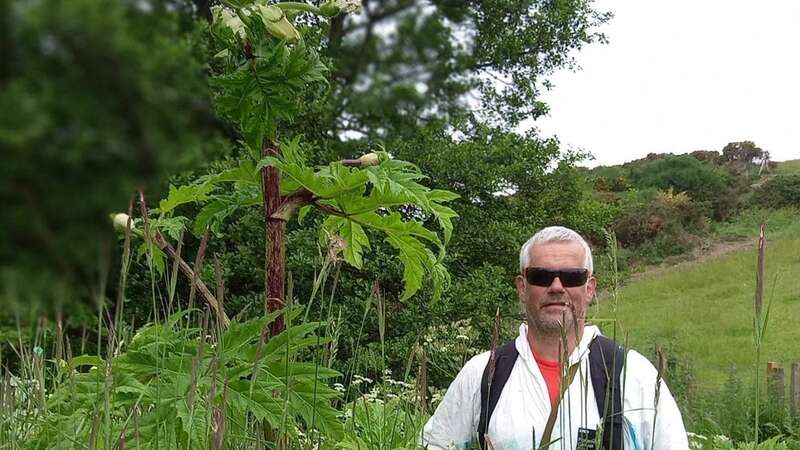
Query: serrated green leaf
point(213, 214)
point(86, 360)
point(244, 173)
point(326, 183)
point(444, 216)
point(292, 152)
point(241, 335)
point(393, 224)
point(184, 194)
point(441, 280)
point(269, 161)
point(170, 226)
point(158, 256)
point(414, 257)
point(357, 241)
point(439, 195)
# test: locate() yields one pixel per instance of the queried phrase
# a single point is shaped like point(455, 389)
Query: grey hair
point(555, 234)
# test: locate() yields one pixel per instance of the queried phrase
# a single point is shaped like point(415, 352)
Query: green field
point(703, 311)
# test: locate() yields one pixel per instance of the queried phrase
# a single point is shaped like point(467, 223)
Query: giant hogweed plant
point(192, 387)
point(266, 69)
point(227, 383)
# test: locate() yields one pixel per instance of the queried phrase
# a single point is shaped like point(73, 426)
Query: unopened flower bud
point(370, 159)
point(332, 8)
point(276, 23)
point(120, 221)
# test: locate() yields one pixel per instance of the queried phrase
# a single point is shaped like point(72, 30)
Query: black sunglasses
point(571, 277)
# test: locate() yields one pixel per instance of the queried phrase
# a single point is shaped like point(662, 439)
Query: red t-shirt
point(552, 376)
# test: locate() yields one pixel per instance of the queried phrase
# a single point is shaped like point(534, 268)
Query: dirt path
point(698, 256)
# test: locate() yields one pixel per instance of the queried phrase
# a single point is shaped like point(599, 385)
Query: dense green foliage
point(97, 98)
point(780, 191)
point(173, 377)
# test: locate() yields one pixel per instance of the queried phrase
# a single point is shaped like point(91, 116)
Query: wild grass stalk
point(198, 269)
point(759, 322)
point(660, 368)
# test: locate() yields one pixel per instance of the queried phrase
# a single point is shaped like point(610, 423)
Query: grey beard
point(554, 327)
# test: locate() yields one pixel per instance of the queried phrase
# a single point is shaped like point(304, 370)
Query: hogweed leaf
point(184, 194)
point(356, 240)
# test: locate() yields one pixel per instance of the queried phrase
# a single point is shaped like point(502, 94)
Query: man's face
point(547, 307)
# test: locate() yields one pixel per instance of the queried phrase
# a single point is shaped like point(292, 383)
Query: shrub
point(668, 213)
point(658, 224)
point(778, 191)
point(684, 173)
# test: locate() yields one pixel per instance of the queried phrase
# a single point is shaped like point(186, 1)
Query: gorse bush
point(684, 173)
point(779, 191)
point(661, 225)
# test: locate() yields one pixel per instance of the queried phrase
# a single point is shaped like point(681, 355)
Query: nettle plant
point(178, 385)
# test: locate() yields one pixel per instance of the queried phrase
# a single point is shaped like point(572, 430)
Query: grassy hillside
point(786, 167)
point(702, 312)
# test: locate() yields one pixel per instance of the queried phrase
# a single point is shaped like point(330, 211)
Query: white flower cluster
point(698, 441)
point(308, 440)
point(358, 379)
point(400, 384)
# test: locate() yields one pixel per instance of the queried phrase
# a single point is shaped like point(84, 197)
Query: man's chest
point(523, 415)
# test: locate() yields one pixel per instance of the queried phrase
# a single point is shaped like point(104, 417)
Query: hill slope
point(702, 312)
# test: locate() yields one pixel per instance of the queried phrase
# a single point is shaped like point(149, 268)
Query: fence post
point(794, 390)
point(775, 383)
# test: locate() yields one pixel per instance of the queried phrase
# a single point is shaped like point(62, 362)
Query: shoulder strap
point(605, 367)
point(492, 384)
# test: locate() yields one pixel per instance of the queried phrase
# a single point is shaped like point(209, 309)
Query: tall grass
point(188, 379)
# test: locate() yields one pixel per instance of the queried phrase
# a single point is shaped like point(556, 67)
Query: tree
point(740, 156)
point(405, 63)
point(97, 97)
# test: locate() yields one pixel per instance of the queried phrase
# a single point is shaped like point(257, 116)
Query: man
point(555, 286)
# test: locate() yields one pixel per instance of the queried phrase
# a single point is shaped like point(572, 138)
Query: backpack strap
point(605, 367)
point(492, 384)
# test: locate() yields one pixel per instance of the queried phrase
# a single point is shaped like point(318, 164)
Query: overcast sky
point(682, 75)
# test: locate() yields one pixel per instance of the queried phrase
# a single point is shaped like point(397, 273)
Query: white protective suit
point(524, 406)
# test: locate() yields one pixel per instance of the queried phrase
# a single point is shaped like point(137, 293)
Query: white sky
point(680, 75)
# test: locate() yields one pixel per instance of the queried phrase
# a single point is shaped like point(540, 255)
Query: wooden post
point(775, 383)
point(794, 390)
